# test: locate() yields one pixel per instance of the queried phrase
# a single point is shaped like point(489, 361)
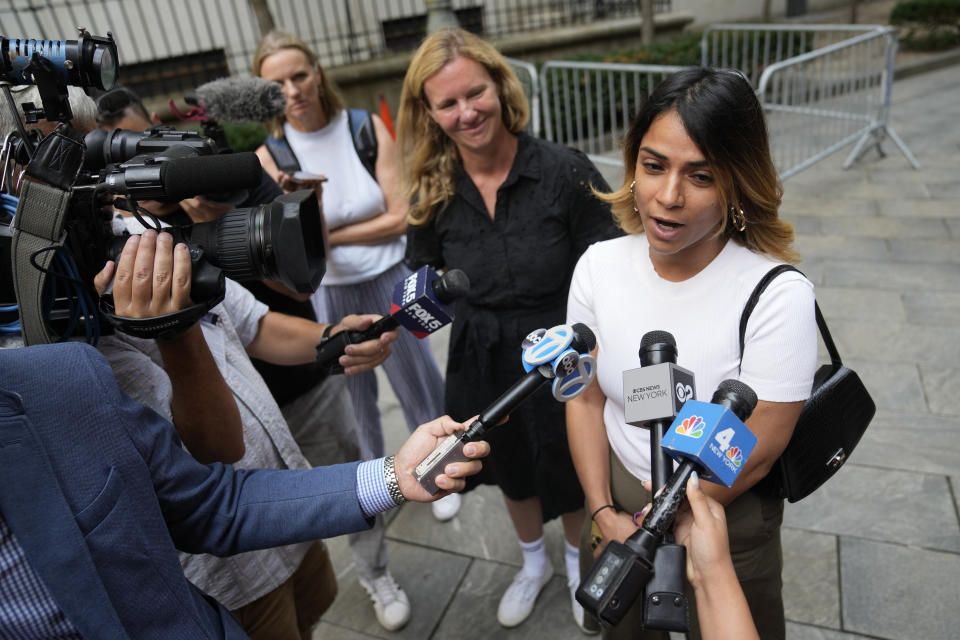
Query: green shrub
point(244, 136)
point(684, 50)
point(927, 25)
point(928, 12)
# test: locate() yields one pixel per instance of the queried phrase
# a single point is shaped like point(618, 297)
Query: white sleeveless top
point(349, 195)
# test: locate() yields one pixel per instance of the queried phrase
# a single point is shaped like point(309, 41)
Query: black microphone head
point(188, 177)
point(657, 347)
point(242, 99)
point(736, 395)
point(583, 338)
point(451, 285)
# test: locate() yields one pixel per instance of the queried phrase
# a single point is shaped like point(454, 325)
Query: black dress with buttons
point(519, 264)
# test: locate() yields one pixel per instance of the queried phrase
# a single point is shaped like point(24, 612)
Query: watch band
point(393, 486)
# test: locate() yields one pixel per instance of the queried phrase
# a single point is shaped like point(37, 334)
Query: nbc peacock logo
point(733, 453)
point(691, 427)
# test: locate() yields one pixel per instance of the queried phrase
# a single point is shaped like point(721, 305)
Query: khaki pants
point(753, 527)
point(290, 611)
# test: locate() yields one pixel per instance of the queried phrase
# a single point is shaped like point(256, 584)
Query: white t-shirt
point(350, 195)
point(617, 293)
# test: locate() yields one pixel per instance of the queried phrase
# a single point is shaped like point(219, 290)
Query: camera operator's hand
point(420, 444)
point(151, 277)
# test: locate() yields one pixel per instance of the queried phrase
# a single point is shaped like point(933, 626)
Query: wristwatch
point(393, 486)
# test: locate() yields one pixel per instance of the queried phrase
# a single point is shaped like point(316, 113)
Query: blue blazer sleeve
point(221, 510)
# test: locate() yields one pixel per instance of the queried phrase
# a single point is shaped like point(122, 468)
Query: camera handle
point(665, 604)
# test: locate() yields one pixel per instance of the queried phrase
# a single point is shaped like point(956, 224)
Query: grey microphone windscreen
point(242, 99)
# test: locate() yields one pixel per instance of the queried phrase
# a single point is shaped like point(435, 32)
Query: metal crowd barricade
point(822, 87)
point(530, 79)
point(588, 105)
point(751, 48)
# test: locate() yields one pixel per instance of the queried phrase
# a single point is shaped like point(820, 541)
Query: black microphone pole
point(658, 347)
point(665, 604)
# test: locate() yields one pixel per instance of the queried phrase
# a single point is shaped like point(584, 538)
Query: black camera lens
point(282, 240)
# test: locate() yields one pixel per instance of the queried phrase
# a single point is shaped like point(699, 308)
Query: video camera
point(62, 225)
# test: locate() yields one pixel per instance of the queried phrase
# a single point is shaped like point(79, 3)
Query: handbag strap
point(755, 297)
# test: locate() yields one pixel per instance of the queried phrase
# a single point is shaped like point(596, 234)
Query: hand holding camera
point(150, 278)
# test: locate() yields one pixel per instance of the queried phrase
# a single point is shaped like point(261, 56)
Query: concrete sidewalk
point(875, 553)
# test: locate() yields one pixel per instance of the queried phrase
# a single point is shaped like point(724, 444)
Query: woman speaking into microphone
point(699, 203)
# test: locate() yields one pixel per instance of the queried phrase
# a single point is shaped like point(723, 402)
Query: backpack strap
point(755, 297)
point(361, 131)
point(282, 154)
point(364, 139)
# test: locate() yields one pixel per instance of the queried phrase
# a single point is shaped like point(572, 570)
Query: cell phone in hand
point(306, 176)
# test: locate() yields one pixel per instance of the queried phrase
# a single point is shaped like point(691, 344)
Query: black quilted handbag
point(833, 419)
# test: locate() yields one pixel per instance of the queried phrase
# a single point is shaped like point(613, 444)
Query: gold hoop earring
point(635, 210)
point(738, 218)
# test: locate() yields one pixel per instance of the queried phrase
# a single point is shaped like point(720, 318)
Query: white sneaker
point(446, 507)
point(517, 601)
point(578, 613)
point(390, 603)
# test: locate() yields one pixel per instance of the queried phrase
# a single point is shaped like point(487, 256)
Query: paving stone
point(944, 190)
point(922, 250)
point(806, 632)
point(476, 608)
point(910, 442)
point(841, 184)
point(892, 591)
point(430, 579)
point(326, 631)
point(819, 246)
point(814, 179)
point(932, 308)
point(917, 208)
point(482, 529)
point(955, 490)
point(802, 224)
point(883, 227)
point(859, 304)
point(892, 386)
point(932, 176)
point(897, 343)
point(826, 208)
point(813, 269)
point(893, 276)
point(881, 504)
point(883, 191)
point(811, 592)
point(942, 387)
point(954, 226)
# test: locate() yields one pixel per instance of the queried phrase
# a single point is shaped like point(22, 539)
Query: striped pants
point(411, 367)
